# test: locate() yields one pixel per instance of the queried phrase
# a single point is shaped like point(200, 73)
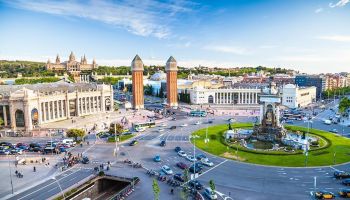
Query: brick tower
point(171, 82)
point(137, 83)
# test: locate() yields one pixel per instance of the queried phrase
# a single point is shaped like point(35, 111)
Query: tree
point(75, 133)
point(344, 104)
point(116, 128)
point(161, 92)
point(1, 121)
point(156, 189)
point(212, 185)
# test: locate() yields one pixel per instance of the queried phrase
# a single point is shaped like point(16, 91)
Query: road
point(233, 179)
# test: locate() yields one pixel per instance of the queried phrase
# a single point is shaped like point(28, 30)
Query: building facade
point(72, 66)
point(171, 86)
point(26, 107)
point(137, 83)
point(232, 96)
point(311, 80)
point(296, 97)
point(334, 81)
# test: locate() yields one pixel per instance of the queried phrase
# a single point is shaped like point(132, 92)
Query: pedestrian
point(34, 169)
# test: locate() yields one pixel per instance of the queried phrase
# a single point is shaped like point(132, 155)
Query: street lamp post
point(10, 174)
point(307, 136)
point(116, 141)
point(194, 155)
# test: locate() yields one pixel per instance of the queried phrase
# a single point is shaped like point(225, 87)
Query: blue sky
point(308, 35)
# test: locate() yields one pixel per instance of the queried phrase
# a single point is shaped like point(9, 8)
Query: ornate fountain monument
point(269, 128)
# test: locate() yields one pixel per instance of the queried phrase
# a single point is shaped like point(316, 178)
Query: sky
point(311, 36)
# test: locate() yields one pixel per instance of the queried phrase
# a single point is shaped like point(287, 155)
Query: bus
point(198, 113)
point(143, 126)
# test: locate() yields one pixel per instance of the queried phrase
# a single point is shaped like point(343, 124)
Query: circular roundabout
point(325, 148)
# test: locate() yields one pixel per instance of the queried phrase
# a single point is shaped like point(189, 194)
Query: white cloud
point(318, 10)
point(227, 49)
point(337, 38)
point(145, 18)
point(340, 3)
point(268, 46)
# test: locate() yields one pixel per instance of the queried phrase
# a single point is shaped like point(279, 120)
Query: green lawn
point(121, 138)
point(320, 157)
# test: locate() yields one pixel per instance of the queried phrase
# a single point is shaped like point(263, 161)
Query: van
point(69, 142)
point(210, 193)
point(328, 122)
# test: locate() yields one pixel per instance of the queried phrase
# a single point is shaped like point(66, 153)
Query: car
point(333, 130)
point(190, 158)
point(195, 169)
point(172, 127)
point(178, 177)
point(4, 151)
point(324, 195)
point(16, 151)
point(177, 149)
point(163, 125)
point(5, 144)
point(211, 194)
point(289, 121)
point(181, 153)
point(156, 158)
point(346, 182)
point(345, 193)
point(161, 130)
point(207, 162)
point(198, 122)
point(166, 169)
point(341, 174)
point(85, 160)
point(181, 165)
point(133, 143)
point(184, 125)
point(201, 156)
point(210, 121)
point(163, 143)
point(195, 184)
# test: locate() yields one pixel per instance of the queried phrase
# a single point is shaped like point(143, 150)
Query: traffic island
point(331, 149)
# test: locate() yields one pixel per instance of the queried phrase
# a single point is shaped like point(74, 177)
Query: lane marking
point(55, 182)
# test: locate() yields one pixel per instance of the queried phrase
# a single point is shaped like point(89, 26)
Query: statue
point(229, 126)
point(303, 137)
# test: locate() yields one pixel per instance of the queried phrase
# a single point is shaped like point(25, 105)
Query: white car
point(140, 129)
point(191, 158)
point(210, 194)
point(206, 162)
point(163, 125)
point(184, 125)
point(198, 122)
point(161, 130)
point(182, 153)
point(167, 170)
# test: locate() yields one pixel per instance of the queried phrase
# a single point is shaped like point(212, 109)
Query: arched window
point(210, 99)
point(35, 116)
point(19, 115)
point(108, 104)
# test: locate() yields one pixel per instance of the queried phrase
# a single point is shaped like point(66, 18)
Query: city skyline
point(308, 36)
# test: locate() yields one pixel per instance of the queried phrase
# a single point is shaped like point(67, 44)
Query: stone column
point(43, 112)
point(49, 110)
point(239, 98)
point(39, 113)
point(5, 115)
point(27, 117)
point(12, 116)
point(256, 98)
point(67, 106)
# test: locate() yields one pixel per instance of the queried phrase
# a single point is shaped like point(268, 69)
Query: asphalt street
point(233, 179)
